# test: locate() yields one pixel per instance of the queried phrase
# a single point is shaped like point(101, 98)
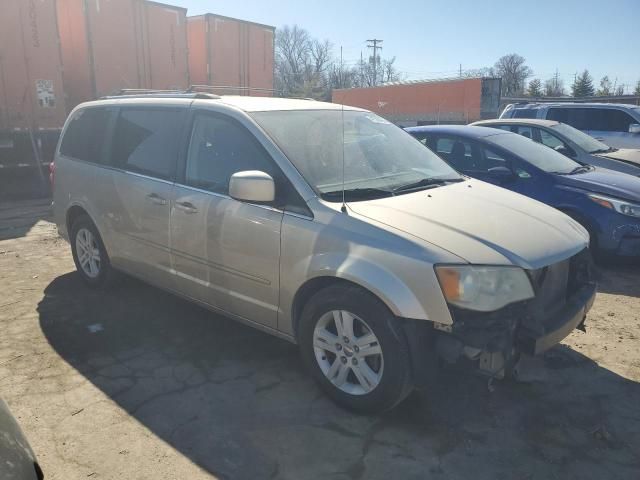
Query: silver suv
point(617, 125)
point(328, 227)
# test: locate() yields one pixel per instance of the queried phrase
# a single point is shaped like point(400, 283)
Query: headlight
point(484, 289)
point(620, 206)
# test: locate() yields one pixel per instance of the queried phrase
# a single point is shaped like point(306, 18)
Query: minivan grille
point(556, 283)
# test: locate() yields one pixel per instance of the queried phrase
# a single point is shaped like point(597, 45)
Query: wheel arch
point(73, 213)
point(398, 299)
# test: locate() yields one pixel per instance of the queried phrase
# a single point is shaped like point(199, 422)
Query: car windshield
point(379, 158)
point(581, 139)
point(536, 154)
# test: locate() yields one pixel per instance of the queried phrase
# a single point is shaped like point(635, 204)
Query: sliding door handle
point(156, 199)
point(186, 207)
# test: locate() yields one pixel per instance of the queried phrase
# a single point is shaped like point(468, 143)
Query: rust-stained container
point(232, 53)
point(31, 91)
point(32, 104)
point(461, 100)
point(109, 45)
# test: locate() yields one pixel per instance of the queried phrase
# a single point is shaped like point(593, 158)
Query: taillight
point(52, 174)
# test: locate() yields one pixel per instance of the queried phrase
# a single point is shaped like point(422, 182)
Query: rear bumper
point(570, 317)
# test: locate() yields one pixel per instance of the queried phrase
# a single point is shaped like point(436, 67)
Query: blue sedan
point(605, 202)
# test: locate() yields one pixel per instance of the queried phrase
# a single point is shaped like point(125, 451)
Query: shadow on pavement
point(238, 403)
point(17, 218)
point(620, 277)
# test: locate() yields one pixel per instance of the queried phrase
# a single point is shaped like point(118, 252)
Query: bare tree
point(605, 86)
point(385, 72)
point(292, 54)
point(514, 73)
point(554, 87)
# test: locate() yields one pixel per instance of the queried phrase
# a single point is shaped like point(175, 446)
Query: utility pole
point(460, 70)
point(555, 83)
point(341, 70)
point(373, 43)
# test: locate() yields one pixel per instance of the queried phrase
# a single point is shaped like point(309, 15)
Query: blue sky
point(431, 38)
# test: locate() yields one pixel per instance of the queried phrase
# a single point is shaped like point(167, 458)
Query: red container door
point(225, 54)
point(260, 60)
point(166, 40)
point(31, 93)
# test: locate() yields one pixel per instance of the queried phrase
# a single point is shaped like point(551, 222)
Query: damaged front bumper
point(493, 341)
point(572, 316)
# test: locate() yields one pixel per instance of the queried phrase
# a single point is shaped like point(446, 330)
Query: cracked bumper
point(570, 317)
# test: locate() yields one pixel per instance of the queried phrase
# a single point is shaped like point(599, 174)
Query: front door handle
point(186, 207)
point(157, 199)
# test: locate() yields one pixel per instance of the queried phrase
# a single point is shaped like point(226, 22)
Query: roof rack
point(195, 88)
point(151, 93)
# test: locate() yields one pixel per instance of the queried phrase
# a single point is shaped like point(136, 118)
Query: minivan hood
point(629, 155)
point(481, 223)
point(607, 182)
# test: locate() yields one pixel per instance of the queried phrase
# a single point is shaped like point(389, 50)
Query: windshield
point(581, 139)
point(536, 154)
point(379, 158)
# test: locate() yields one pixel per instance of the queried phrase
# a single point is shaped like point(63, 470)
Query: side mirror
point(501, 173)
point(252, 186)
point(634, 128)
point(567, 152)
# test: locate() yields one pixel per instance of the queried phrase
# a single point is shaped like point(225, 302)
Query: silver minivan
point(324, 225)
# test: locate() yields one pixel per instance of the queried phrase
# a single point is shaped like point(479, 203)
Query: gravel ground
point(138, 384)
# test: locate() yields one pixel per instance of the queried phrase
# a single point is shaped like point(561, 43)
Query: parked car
point(17, 460)
point(605, 202)
point(330, 228)
point(571, 142)
point(616, 124)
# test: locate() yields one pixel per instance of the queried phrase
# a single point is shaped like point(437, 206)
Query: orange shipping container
point(428, 102)
point(109, 45)
point(227, 52)
point(31, 92)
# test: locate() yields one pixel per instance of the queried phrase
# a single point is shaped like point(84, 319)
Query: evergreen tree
point(535, 88)
point(583, 85)
point(637, 90)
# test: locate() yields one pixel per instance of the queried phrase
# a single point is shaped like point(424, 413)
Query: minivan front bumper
point(572, 316)
point(565, 292)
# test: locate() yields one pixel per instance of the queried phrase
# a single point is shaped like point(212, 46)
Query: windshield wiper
point(604, 150)
point(357, 194)
point(426, 183)
point(580, 169)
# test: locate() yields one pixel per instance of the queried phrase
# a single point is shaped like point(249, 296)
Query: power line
point(375, 42)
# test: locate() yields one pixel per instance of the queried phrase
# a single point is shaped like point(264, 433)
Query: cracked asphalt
point(135, 383)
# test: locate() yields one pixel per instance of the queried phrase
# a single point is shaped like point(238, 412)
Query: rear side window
point(612, 120)
point(524, 113)
point(84, 138)
point(146, 141)
point(558, 114)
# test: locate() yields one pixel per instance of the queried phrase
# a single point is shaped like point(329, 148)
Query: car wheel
point(89, 253)
point(353, 347)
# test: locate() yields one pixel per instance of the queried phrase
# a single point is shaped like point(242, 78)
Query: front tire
point(89, 253)
point(352, 345)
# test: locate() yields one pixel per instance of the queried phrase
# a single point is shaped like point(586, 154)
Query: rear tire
point(90, 254)
point(351, 344)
